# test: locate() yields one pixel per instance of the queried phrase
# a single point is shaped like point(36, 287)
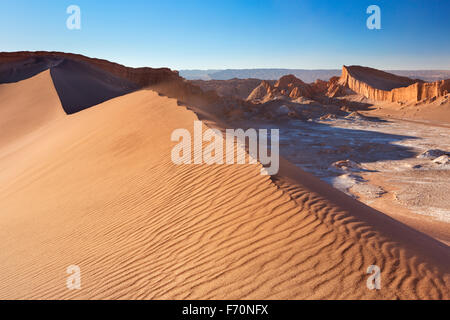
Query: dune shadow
point(81, 86)
point(23, 69)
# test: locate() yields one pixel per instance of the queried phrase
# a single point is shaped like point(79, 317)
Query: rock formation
point(293, 87)
point(371, 83)
point(382, 86)
point(260, 92)
point(286, 87)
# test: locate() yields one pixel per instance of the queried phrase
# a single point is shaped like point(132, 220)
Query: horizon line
point(214, 69)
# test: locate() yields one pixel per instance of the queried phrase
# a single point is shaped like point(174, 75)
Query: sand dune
point(98, 189)
point(26, 107)
point(81, 82)
point(79, 85)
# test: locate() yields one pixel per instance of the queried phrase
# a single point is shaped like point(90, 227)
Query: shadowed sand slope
point(99, 190)
point(81, 82)
point(14, 70)
point(81, 85)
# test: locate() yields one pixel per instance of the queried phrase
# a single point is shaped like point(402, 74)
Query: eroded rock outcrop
point(286, 87)
point(383, 86)
point(293, 87)
point(335, 88)
point(260, 93)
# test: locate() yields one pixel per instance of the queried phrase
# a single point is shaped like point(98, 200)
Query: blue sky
point(211, 34)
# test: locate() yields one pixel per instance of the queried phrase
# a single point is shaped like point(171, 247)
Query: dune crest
point(27, 106)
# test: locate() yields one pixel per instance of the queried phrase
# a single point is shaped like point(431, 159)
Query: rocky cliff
point(382, 86)
point(140, 76)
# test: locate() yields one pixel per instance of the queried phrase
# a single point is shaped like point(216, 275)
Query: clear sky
point(212, 34)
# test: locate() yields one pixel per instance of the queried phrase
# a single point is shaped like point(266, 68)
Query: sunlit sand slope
point(98, 189)
point(27, 106)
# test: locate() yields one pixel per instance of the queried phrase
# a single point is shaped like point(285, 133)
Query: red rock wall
point(141, 76)
point(415, 92)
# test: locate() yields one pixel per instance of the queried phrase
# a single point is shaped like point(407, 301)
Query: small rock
point(432, 154)
point(355, 115)
point(445, 159)
point(328, 116)
point(283, 111)
point(346, 165)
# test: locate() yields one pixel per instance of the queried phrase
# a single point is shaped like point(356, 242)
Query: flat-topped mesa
point(383, 86)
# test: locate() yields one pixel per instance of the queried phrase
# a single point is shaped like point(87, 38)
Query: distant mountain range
point(306, 75)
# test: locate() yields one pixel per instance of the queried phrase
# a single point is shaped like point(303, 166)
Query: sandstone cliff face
point(382, 86)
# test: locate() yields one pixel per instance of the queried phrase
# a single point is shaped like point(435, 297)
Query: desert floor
point(378, 161)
